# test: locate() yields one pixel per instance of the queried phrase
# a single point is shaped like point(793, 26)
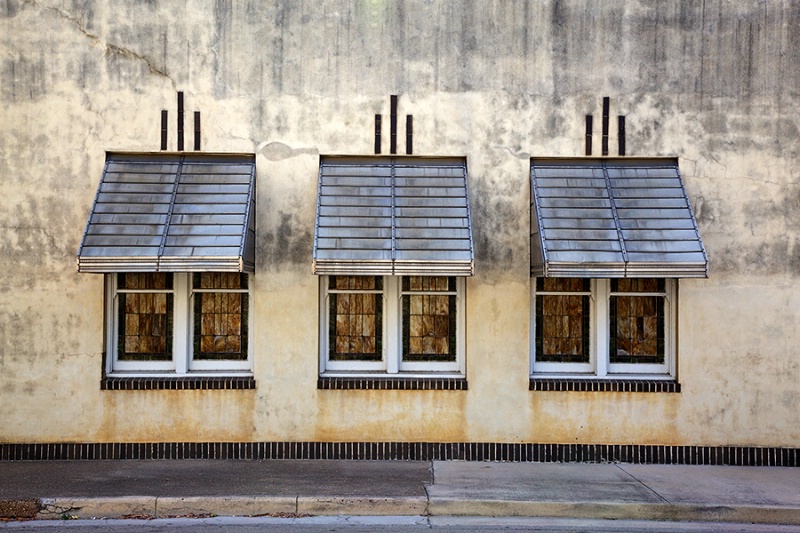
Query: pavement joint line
point(642, 483)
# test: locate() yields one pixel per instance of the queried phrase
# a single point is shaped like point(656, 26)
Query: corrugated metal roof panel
point(173, 213)
point(393, 215)
point(612, 218)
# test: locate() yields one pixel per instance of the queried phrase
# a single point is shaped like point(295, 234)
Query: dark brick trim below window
point(411, 451)
point(331, 383)
point(603, 385)
point(179, 383)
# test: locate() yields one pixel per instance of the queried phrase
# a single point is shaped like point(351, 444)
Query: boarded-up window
point(636, 313)
point(220, 316)
point(562, 320)
point(429, 318)
point(145, 316)
point(356, 318)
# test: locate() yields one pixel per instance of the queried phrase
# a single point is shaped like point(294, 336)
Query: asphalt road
point(383, 523)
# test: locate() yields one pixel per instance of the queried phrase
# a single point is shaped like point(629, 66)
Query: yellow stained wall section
point(712, 83)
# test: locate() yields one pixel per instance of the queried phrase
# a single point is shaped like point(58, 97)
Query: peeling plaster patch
point(495, 224)
point(28, 332)
point(705, 211)
point(24, 78)
point(9, 9)
point(223, 24)
point(32, 234)
point(772, 222)
point(15, 330)
point(290, 243)
point(516, 151)
point(277, 151)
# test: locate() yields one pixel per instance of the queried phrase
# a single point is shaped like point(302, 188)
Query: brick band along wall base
point(410, 451)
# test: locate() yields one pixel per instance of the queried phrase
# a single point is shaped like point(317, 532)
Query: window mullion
point(461, 324)
point(181, 331)
point(601, 325)
point(112, 330)
point(392, 324)
point(324, 323)
point(670, 326)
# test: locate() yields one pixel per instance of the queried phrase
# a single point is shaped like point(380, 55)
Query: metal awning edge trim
point(168, 264)
point(620, 270)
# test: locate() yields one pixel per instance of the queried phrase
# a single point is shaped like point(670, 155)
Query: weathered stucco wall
point(714, 83)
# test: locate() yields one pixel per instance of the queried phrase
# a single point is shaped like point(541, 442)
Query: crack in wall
point(110, 48)
point(28, 230)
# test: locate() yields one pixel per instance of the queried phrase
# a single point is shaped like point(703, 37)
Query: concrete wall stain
point(712, 83)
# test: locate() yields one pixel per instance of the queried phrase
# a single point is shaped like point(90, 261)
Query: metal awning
point(172, 212)
point(613, 218)
point(393, 215)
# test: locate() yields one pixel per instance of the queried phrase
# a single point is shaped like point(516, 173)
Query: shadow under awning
point(612, 218)
point(399, 215)
point(172, 212)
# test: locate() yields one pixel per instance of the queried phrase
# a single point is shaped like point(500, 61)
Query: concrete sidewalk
point(164, 488)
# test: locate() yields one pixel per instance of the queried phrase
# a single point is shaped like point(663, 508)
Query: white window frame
point(391, 363)
point(599, 365)
point(182, 362)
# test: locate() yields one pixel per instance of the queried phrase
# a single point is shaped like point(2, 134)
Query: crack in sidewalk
point(425, 487)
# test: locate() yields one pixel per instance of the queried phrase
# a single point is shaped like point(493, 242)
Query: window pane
point(355, 331)
point(562, 320)
point(355, 283)
point(638, 285)
point(145, 318)
point(429, 321)
point(563, 285)
point(636, 322)
point(220, 324)
point(562, 329)
point(429, 284)
point(144, 281)
point(219, 280)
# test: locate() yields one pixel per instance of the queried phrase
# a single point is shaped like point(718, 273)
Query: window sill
point(178, 383)
point(566, 384)
point(391, 383)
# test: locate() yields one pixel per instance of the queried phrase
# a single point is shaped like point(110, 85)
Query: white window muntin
point(221, 364)
point(181, 362)
point(439, 366)
point(337, 366)
point(391, 361)
point(571, 368)
point(668, 366)
point(599, 365)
